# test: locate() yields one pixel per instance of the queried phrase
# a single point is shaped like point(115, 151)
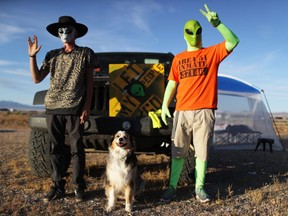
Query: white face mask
point(67, 34)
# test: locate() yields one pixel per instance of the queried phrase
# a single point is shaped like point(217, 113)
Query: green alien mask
point(192, 34)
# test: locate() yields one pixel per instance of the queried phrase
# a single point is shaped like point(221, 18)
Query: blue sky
point(261, 58)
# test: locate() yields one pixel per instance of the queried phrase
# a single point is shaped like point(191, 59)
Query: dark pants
point(58, 125)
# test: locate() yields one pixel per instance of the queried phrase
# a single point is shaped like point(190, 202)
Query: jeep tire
point(38, 153)
point(187, 176)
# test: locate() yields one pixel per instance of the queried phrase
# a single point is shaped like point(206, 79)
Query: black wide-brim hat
point(67, 21)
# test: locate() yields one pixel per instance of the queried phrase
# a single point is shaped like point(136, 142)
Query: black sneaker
point(54, 193)
point(79, 194)
point(168, 195)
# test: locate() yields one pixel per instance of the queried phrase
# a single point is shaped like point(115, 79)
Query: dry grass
point(243, 183)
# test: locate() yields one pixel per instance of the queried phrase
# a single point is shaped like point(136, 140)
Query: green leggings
point(176, 169)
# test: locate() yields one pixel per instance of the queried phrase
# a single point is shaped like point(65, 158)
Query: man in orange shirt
point(194, 75)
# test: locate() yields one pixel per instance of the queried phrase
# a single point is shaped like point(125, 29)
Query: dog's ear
point(111, 139)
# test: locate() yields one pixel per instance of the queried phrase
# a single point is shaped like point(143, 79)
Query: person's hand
point(165, 112)
point(211, 16)
point(33, 47)
point(84, 116)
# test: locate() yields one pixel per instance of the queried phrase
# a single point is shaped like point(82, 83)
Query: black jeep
point(127, 86)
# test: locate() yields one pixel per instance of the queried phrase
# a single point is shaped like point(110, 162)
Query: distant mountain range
point(11, 105)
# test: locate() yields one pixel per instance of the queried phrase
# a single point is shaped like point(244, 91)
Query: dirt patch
point(241, 182)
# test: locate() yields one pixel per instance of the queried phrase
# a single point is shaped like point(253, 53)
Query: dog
point(122, 177)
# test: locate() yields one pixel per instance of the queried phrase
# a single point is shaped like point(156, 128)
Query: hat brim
point(81, 28)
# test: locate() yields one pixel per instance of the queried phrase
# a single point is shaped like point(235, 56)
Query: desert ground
point(241, 182)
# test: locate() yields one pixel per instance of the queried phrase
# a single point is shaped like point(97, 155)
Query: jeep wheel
point(38, 153)
point(187, 176)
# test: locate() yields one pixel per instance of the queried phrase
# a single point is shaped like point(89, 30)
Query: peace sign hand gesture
point(211, 16)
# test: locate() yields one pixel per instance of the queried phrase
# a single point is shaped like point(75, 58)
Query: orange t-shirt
point(196, 73)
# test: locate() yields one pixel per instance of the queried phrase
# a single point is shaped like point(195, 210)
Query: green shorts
point(193, 127)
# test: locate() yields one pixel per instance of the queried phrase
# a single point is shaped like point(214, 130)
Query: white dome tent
point(242, 117)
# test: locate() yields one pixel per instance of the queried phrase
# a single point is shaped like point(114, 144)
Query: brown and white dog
point(122, 177)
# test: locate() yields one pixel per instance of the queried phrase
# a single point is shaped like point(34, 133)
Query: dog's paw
point(128, 208)
point(109, 208)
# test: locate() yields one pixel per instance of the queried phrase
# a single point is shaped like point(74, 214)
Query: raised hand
point(211, 16)
point(33, 47)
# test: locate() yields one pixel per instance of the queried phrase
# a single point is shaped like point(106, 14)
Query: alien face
point(67, 34)
point(137, 90)
point(193, 33)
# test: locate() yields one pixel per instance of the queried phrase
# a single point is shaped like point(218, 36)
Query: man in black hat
point(67, 101)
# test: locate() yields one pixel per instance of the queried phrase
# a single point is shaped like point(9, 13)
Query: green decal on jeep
point(135, 89)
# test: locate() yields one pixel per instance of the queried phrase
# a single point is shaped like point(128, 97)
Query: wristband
point(33, 56)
